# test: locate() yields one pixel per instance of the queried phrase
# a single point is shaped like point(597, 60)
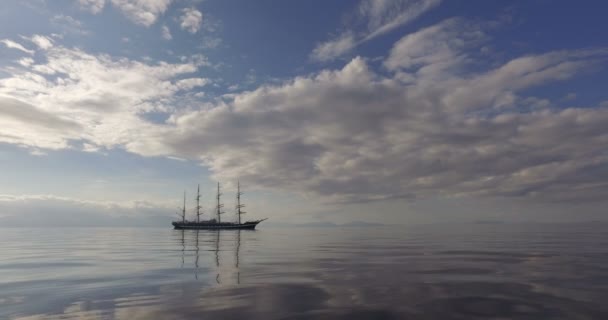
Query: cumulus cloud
point(191, 20)
point(377, 17)
point(142, 12)
point(350, 135)
point(42, 42)
point(428, 126)
point(353, 135)
point(103, 95)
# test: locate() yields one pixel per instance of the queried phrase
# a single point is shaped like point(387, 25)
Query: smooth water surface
point(511, 271)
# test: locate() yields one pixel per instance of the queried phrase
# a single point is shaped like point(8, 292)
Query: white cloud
point(426, 127)
point(331, 49)
point(142, 12)
point(349, 135)
point(93, 6)
point(166, 33)
point(78, 96)
point(187, 84)
point(386, 15)
point(26, 62)
point(42, 42)
point(191, 20)
point(379, 17)
point(353, 135)
point(14, 45)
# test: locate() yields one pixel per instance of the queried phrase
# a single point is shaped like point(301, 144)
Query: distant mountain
point(317, 224)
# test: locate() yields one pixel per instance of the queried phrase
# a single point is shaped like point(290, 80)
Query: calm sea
point(480, 271)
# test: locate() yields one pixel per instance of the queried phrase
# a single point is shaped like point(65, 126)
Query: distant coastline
point(327, 224)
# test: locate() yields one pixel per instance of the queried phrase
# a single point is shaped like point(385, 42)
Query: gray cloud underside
point(353, 136)
point(26, 113)
point(429, 129)
point(426, 128)
point(22, 123)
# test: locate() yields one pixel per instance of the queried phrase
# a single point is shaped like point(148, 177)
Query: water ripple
point(431, 272)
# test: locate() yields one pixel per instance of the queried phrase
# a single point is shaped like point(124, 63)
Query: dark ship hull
point(213, 225)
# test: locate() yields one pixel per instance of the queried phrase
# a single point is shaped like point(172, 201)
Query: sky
point(402, 111)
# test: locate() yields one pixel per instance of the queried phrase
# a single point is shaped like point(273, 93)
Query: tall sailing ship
point(215, 223)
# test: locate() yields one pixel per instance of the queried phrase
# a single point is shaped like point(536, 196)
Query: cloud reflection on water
point(264, 275)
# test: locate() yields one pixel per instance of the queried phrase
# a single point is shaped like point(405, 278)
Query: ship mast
point(239, 212)
point(219, 204)
point(198, 206)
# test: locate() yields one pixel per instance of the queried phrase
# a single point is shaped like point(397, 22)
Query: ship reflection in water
point(234, 242)
point(431, 272)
